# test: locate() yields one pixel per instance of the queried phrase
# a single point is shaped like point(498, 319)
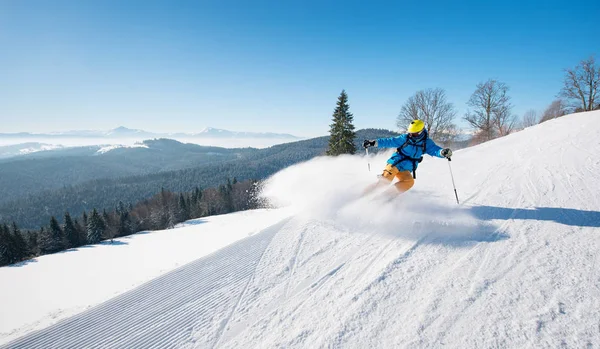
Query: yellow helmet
point(416, 126)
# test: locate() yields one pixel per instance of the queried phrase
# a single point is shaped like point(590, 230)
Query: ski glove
point(447, 153)
point(367, 143)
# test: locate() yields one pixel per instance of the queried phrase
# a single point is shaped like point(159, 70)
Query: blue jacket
point(414, 149)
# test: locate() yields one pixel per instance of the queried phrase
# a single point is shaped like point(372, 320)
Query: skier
point(409, 153)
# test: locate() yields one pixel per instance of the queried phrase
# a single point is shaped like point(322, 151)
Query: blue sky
point(275, 66)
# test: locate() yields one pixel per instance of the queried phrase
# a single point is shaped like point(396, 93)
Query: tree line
point(161, 211)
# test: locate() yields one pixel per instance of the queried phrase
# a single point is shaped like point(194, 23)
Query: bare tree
point(491, 115)
point(582, 84)
point(530, 118)
point(505, 121)
point(556, 109)
point(432, 107)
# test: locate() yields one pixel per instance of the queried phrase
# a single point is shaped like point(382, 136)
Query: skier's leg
point(405, 181)
point(389, 172)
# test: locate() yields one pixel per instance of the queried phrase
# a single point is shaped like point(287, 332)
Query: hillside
point(515, 265)
point(48, 170)
point(36, 189)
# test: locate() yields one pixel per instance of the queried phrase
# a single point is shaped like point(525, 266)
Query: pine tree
point(5, 246)
point(341, 140)
point(226, 198)
point(197, 196)
point(71, 232)
point(125, 225)
point(21, 250)
point(32, 243)
point(195, 208)
point(13, 247)
point(81, 231)
point(111, 228)
point(184, 210)
point(52, 239)
point(95, 228)
point(42, 239)
point(121, 208)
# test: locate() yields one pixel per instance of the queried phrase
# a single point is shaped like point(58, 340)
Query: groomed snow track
point(166, 312)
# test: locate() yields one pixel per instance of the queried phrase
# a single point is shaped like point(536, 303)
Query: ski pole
point(453, 185)
point(368, 163)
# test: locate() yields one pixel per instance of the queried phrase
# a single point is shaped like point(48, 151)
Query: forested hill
point(55, 169)
point(164, 164)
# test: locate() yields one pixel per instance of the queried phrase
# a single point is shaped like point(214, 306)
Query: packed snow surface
point(37, 293)
point(515, 265)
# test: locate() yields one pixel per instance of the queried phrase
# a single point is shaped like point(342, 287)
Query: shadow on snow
point(566, 216)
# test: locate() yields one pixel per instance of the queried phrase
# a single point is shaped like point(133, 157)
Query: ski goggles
point(415, 134)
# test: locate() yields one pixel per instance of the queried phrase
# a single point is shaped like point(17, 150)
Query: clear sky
point(274, 66)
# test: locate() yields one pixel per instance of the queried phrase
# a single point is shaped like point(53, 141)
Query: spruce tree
point(32, 243)
point(195, 208)
point(226, 198)
point(52, 239)
point(95, 228)
point(197, 196)
point(42, 240)
point(81, 231)
point(12, 246)
point(110, 227)
point(121, 208)
point(184, 210)
point(71, 232)
point(21, 250)
point(125, 225)
point(5, 246)
point(341, 140)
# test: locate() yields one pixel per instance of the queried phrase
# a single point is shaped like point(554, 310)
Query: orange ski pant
point(405, 178)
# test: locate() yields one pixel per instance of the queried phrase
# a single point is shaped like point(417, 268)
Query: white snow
point(516, 265)
point(25, 148)
point(38, 293)
point(42, 147)
point(107, 148)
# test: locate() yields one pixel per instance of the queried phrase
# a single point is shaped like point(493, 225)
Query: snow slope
point(515, 265)
point(38, 293)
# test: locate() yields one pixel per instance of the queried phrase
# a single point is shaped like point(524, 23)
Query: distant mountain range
point(124, 132)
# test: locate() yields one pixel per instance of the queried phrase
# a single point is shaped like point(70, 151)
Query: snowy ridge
point(515, 265)
point(42, 147)
point(106, 149)
point(8, 151)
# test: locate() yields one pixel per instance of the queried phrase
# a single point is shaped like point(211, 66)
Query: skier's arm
point(433, 149)
point(392, 142)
